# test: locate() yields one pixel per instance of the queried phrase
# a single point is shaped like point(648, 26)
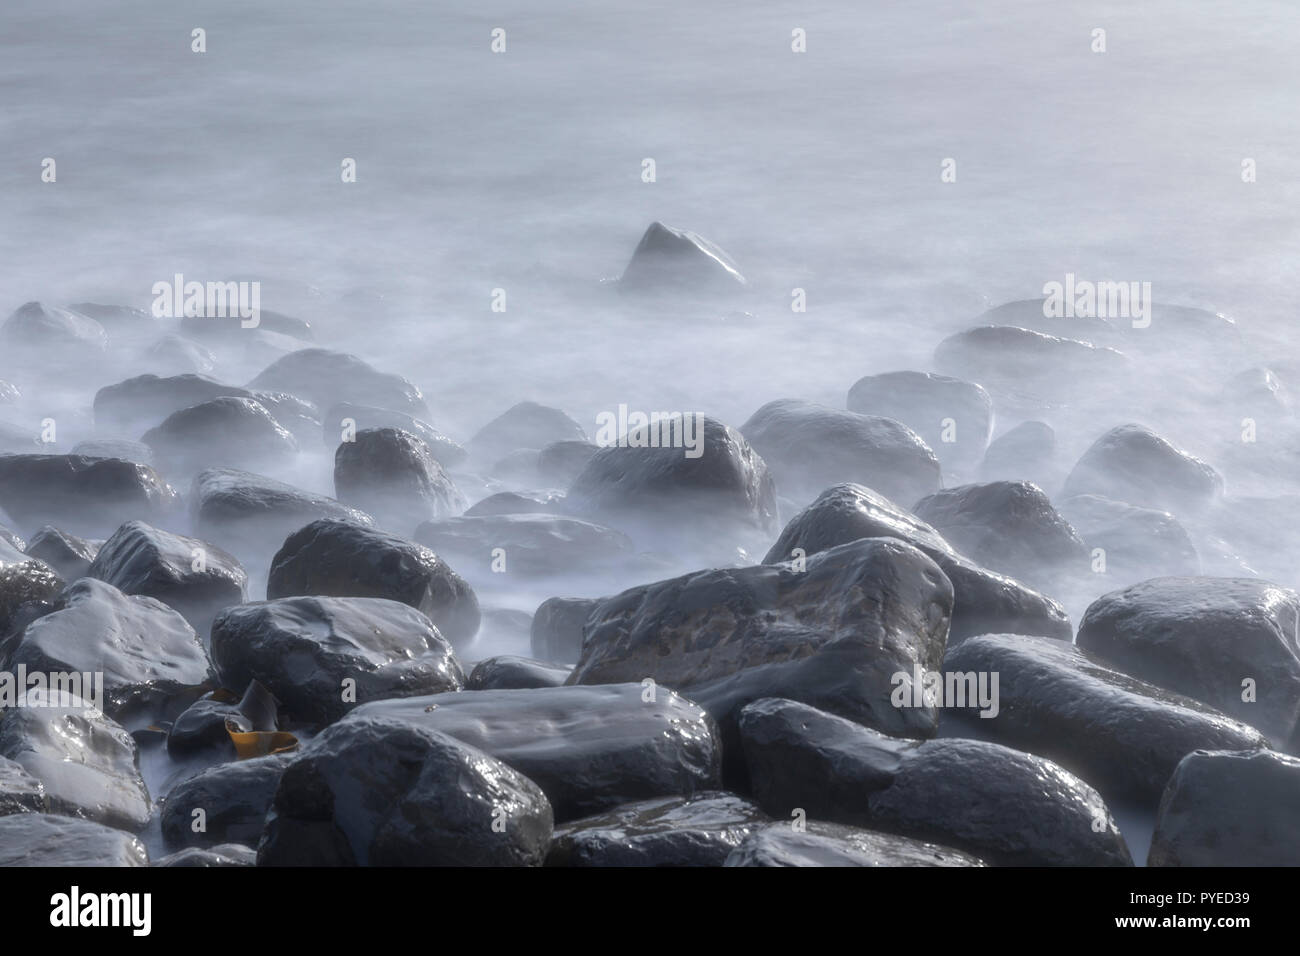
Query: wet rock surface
point(68, 555)
point(954, 418)
point(668, 259)
point(392, 475)
point(42, 839)
point(231, 800)
point(85, 496)
point(835, 844)
point(1131, 463)
point(326, 378)
point(516, 673)
point(347, 418)
point(539, 545)
point(557, 626)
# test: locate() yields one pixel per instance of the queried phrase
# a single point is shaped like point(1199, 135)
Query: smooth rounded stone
point(673, 261)
point(115, 448)
point(9, 393)
point(1010, 527)
point(208, 722)
point(665, 495)
point(536, 545)
point(832, 635)
point(173, 355)
point(379, 792)
point(588, 748)
point(240, 509)
point(20, 792)
point(226, 854)
point(147, 652)
point(147, 400)
point(508, 672)
point(18, 439)
point(1205, 637)
point(1225, 808)
point(326, 378)
point(337, 558)
point(42, 839)
point(393, 476)
point(810, 447)
point(1137, 543)
point(1033, 314)
point(1012, 357)
point(188, 575)
point(116, 318)
point(1133, 464)
point(69, 555)
point(1180, 330)
point(84, 496)
point(297, 416)
point(238, 432)
point(347, 418)
point(1026, 452)
point(52, 331)
point(556, 632)
point(225, 803)
point(835, 844)
point(699, 830)
point(320, 656)
point(1121, 734)
point(953, 417)
point(562, 461)
point(85, 761)
point(983, 601)
point(516, 503)
point(233, 325)
point(525, 425)
point(1006, 807)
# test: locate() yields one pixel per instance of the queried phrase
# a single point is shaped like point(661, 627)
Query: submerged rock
point(1136, 543)
point(52, 331)
point(225, 431)
point(1133, 464)
point(556, 631)
point(526, 425)
point(85, 496)
point(562, 461)
point(537, 545)
point(834, 844)
point(954, 418)
point(346, 418)
point(508, 672)
point(1011, 357)
point(20, 792)
point(327, 378)
point(1026, 452)
point(141, 402)
point(669, 260)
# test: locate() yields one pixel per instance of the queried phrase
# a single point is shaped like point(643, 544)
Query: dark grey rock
point(516, 503)
point(238, 432)
point(1133, 464)
point(327, 378)
point(20, 792)
point(672, 261)
point(68, 555)
point(226, 803)
point(207, 723)
point(448, 453)
point(835, 844)
point(84, 496)
point(41, 839)
point(138, 403)
point(393, 476)
point(507, 672)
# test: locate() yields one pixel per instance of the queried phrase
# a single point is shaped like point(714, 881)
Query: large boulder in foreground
point(835, 844)
point(953, 417)
point(589, 748)
point(392, 475)
point(1006, 807)
point(42, 839)
point(718, 490)
point(322, 656)
point(86, 496)
point(1228, 642)
point(1059, 702)
point(809, 447)
point(337, 558)
point(1225, 808)
point(983, 601)
point(327, 378)
point(1131, 463)
point(670, 261)
point(429, 800)
point(836, 635)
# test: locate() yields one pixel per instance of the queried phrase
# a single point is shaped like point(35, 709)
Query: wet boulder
point(699, 830)
point(1015, 358)
point(187, 574)
point(239, 509)
point(173, 355)
point(238, 432)
point(1118, 733)
point(562, 461)
point(1226, 808)
point(85, 496)
point(670, 261)
point(48, 331)
point(85, 761)
point(225, 854)
point(392, 475)
point(588, 748)
point(144, 401)
point(953, 417)
point(983, 601)
point(556, 631)
point(68, 555)
point(810, 447)
point(430, 800)
point(833, 634)
point(234, 799)
point(526, 425)
point(536, 545)
point(508, 672)
point(1006, 807)
point(1136, 543)
point(297, 416)
point(663, 494)
point(346, 418)
point(1133, 464)
point(148, 653)
point(1026, 452)
point(516, 503)
point(28, 588)
point(1228, 642)
point(326, 378)
point(20, 792)
point(835, 844)
point(115, 448)
point(42, 839)
point(337, 558)
point(1010, 527)
point(321, 656)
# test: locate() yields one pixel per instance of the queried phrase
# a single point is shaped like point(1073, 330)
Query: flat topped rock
point(589, 748)
point(668, 259)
